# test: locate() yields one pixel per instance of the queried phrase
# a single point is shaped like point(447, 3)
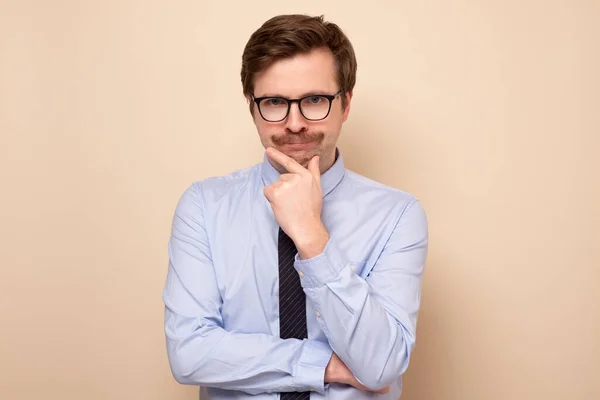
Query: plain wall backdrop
point(487, 111)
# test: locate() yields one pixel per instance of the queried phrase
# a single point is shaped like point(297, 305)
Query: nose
point(295, 122)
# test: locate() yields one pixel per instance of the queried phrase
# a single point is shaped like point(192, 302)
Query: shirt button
point(318, 314)
point(353, 268)
point(301, 274)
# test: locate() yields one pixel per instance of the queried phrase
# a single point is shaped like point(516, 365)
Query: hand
point(337, 372)
point(297, 199)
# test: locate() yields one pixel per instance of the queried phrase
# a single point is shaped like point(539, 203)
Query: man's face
point(299, 138)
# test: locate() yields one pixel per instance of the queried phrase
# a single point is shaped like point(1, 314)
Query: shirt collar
point(329, 179)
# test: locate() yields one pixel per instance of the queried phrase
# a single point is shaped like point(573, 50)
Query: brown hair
point(285, 36)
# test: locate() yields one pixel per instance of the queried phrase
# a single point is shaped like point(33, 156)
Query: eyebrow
point(309, 93)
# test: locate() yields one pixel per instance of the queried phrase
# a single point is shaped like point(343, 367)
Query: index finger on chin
point(287, 162)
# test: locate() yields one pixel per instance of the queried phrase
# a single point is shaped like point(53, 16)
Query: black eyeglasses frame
point(329, 97)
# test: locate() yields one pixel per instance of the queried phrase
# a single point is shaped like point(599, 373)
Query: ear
point(347, 109)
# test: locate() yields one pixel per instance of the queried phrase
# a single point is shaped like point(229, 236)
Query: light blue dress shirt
point(362, 292)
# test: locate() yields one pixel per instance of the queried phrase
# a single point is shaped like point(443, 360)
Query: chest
point(244, 248)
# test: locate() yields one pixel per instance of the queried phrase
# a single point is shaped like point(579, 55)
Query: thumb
point(268, 193)
point(313, 167)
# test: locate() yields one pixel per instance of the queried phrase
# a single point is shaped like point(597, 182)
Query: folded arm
point(200, 351)
point(370, 321)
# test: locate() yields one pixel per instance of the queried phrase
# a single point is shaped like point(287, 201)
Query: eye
point(315, 99)
point(275, 102)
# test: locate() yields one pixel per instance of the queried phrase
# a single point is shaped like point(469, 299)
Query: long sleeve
point(200, 351)
point(370, 322)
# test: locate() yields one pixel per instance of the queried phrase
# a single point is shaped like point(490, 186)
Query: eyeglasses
point(314, 107)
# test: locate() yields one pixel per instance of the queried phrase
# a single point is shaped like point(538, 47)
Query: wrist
point(312, 241)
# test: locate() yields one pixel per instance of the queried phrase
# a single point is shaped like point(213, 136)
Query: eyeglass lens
point(312, 107)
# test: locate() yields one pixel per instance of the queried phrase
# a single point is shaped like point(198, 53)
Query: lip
point(298, 146)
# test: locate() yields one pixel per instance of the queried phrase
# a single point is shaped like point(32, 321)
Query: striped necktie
point(292, 302)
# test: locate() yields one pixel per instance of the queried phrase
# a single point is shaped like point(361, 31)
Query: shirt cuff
point(313, 361)
point(317, 271)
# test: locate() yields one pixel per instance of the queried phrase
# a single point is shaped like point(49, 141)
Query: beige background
point(488, 111)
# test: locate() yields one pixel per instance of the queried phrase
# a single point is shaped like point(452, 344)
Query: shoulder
point(361, 185)
point(214, 188)
point(401, 208)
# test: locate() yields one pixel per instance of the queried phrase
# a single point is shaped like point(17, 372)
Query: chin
point(302, 157)
point(302, 160)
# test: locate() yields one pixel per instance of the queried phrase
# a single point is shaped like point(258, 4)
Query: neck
point(327, 162)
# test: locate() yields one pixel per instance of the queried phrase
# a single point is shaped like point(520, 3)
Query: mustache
point(298, 138)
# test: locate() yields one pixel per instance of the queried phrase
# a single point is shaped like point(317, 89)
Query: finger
point(313, 167)
point(287, 162)
point(385, 390)
point(354, 382)
point(362, 387)
point(269, 192)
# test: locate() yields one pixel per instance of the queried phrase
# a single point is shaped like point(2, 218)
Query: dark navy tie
point(292, 301)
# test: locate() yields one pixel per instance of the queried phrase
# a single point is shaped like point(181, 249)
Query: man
point(295, 278)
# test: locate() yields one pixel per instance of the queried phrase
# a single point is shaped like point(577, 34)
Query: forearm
point(200, 351)
point(372, 344)
point(209, 356)
point(370, 319)
point(349, 316)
